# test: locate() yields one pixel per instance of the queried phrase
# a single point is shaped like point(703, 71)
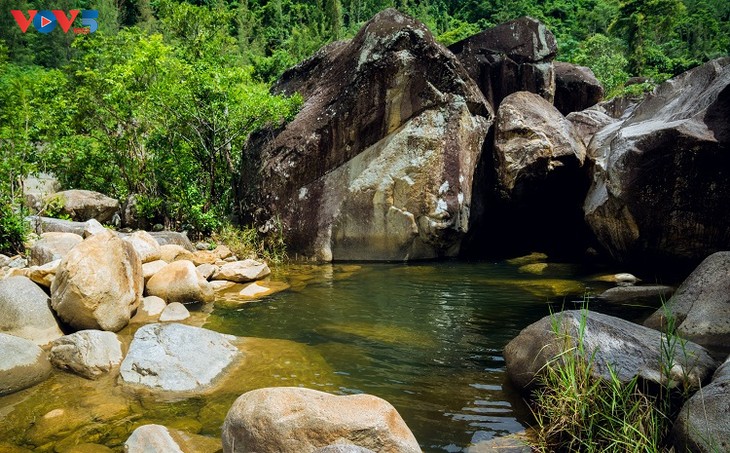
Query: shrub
point(12, 227)
point(248, 242)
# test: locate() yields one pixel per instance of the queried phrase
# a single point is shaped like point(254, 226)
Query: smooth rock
point(207, 270)
point(44, 275)
point(173, 238)
point(657, 197)
point(52, 247)
point(221, 285)
point(180, 282)
point(242, 271)
point(174, 252)
point(159, 439)
point(151, 268)
point(174, 312)
point(576, 88)
point(701, 305)
point(294, 419)
point(177, 358)
point(88, 353)
point(378, 164)
point(22, 364)
point(152, 305)
point(98, 284)
point(628, 348)
point(25, 311)
point(703, 423)
point(92, 227)
point(41, 225)
point(513, 56)
point(587, 123)
point(82, 205)
point(145, 245)
point(622, 294)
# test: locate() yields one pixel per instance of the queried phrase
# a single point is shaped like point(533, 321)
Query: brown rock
point(98, 284)
point(242, 271)
point(576, 88)
point(145, 245)
point(293, 419)
point(179, 282)
point(83, 205)
point(174, 252)
point(52, 247)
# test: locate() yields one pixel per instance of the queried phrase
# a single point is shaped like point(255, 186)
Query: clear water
point(426, 337)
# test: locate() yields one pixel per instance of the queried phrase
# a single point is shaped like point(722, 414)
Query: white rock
point(88, 353)
point(174, 312)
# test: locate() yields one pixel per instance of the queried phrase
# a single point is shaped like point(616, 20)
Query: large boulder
point(629, 349)
point(538, 175)
point(294, 419)
point(242, 271)
point(145, 245)
point(659, 193)
point(514, 56)
point(701, 306)
point(88, 353)
point(587, 122)
point(41, 225)
point(180, 282)
point(703, 423)
point(22, 364)
point(25, 311)
point(98, 284)
point(576, 88)
point(379, 162)
point(82, 205)
point(52, 247)
point(177, 358)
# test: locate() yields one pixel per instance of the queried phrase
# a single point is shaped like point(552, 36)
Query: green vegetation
point(576, 411)
point(248, 243)
point(160, 99)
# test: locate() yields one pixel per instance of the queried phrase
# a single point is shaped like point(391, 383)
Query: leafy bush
point(248, 242)
point(12, 227)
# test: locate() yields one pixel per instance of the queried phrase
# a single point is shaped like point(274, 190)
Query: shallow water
point(426, 337)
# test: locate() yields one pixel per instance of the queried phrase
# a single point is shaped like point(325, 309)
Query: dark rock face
point(701, 305)
point(703, 424)
point(514, 56)
point(628, 348)
point(378, 164)
point(576, 88)
point(661, 187)
point(538, 177)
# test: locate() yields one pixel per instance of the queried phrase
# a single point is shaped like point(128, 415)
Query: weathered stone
point(378, 163)
point(514, 56)
point(145, 245)
point(92, 227)
point(40, 225)
point(152, 305)
point(174, 312)
point(43, 275)
point(587, 122)
point(701, 305)
point(88, 353)
point(576, 88)
point(159, 439)
point(242, 271)
point(52, 247)
point(129, 213)
point(657, 195)
point(177, 358)
point(180, 282)
point(206, 270)
point(22, 364)
point(82, 205)
point(289, 419)
point(98, 284)
point(539, 175)
point(174, 252)
point(173, 238)
point(622, 294)
point(25, 312)
point(703, 424)
point(151, 268)
point(629, 349)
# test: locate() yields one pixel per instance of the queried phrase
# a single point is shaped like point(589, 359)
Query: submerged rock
point(622, 294)
point(701, 305)
point(159, 439)
point(25, 311)
point(22, 364)
point(177, 358)
point(658, 195)
point(379, 162)
point(629, 349)
point(242, 271)
point(293, 419)
point(98, 284)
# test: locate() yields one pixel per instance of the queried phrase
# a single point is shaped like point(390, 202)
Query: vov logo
point(46, 21)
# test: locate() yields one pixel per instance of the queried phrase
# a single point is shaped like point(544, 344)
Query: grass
point(578, 411)
point(248, 242)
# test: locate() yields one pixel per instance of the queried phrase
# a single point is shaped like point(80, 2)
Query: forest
point(159, 100)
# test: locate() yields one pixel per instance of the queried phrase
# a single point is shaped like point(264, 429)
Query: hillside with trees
point(159, 101)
